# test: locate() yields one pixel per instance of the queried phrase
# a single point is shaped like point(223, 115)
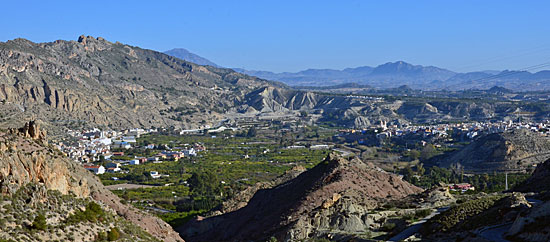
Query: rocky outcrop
point(435, 197)
point(31, 130)
point(512, 150)
point(24, 159)
point(335, 195)
point(532, 225)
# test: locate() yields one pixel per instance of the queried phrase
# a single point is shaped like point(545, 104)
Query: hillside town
point(103, 151)
point(447, 132)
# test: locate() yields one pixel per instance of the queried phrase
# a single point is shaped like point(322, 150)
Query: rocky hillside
point(534, 224)
point(518, 149)
point(539, 180)
point(333, 197)
point(27, 159)
point(95, 82)
point(469, 220)
point(242, 197)
point(362, 112)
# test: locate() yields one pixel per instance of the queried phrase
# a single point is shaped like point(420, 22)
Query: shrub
point(388, 227)
point(93, 213)
point(39, 222)
point(458, 213)
point(422, 213)
point(101, 236)
point(409, 216)
point(113, 234)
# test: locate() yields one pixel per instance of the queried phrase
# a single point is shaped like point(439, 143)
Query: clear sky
point(294, 35)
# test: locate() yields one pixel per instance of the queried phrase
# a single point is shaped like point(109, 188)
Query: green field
point(236, 162)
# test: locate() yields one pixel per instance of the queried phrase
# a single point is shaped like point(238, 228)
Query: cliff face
point(334, 195)
point(25, 158)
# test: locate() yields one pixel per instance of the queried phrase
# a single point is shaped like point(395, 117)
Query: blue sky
point(296, 35)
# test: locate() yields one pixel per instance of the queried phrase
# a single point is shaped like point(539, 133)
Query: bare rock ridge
point(24, 159)
point(335, 195)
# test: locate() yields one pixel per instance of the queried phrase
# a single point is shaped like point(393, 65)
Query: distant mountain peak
point(404, 68)
point(394, 74)
point(186, 55)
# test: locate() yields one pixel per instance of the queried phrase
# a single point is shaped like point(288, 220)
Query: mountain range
point(394, 74)
point(92, 81)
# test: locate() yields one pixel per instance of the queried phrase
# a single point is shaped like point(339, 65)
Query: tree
point(205, 184)
point(420, 170)
point(251, 132)
point(427, 152)
point(102, 160)
point(408, 174)
point(414, 154)
point(101, 236)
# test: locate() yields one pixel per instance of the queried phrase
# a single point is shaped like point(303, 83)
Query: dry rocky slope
point(534, 224)
point(511, 216)
point(25, 158)
point(242, 197)
point(96, 82)
point(514, 150)
point(334, 197)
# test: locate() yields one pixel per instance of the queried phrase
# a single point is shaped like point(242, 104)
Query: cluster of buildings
point(92, 144)
point(94, 150)
point(445, 131)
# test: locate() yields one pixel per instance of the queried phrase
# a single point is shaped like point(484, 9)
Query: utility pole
point(506, 181)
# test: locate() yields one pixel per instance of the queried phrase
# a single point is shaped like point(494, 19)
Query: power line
point(526, 52)
point(505, 74)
